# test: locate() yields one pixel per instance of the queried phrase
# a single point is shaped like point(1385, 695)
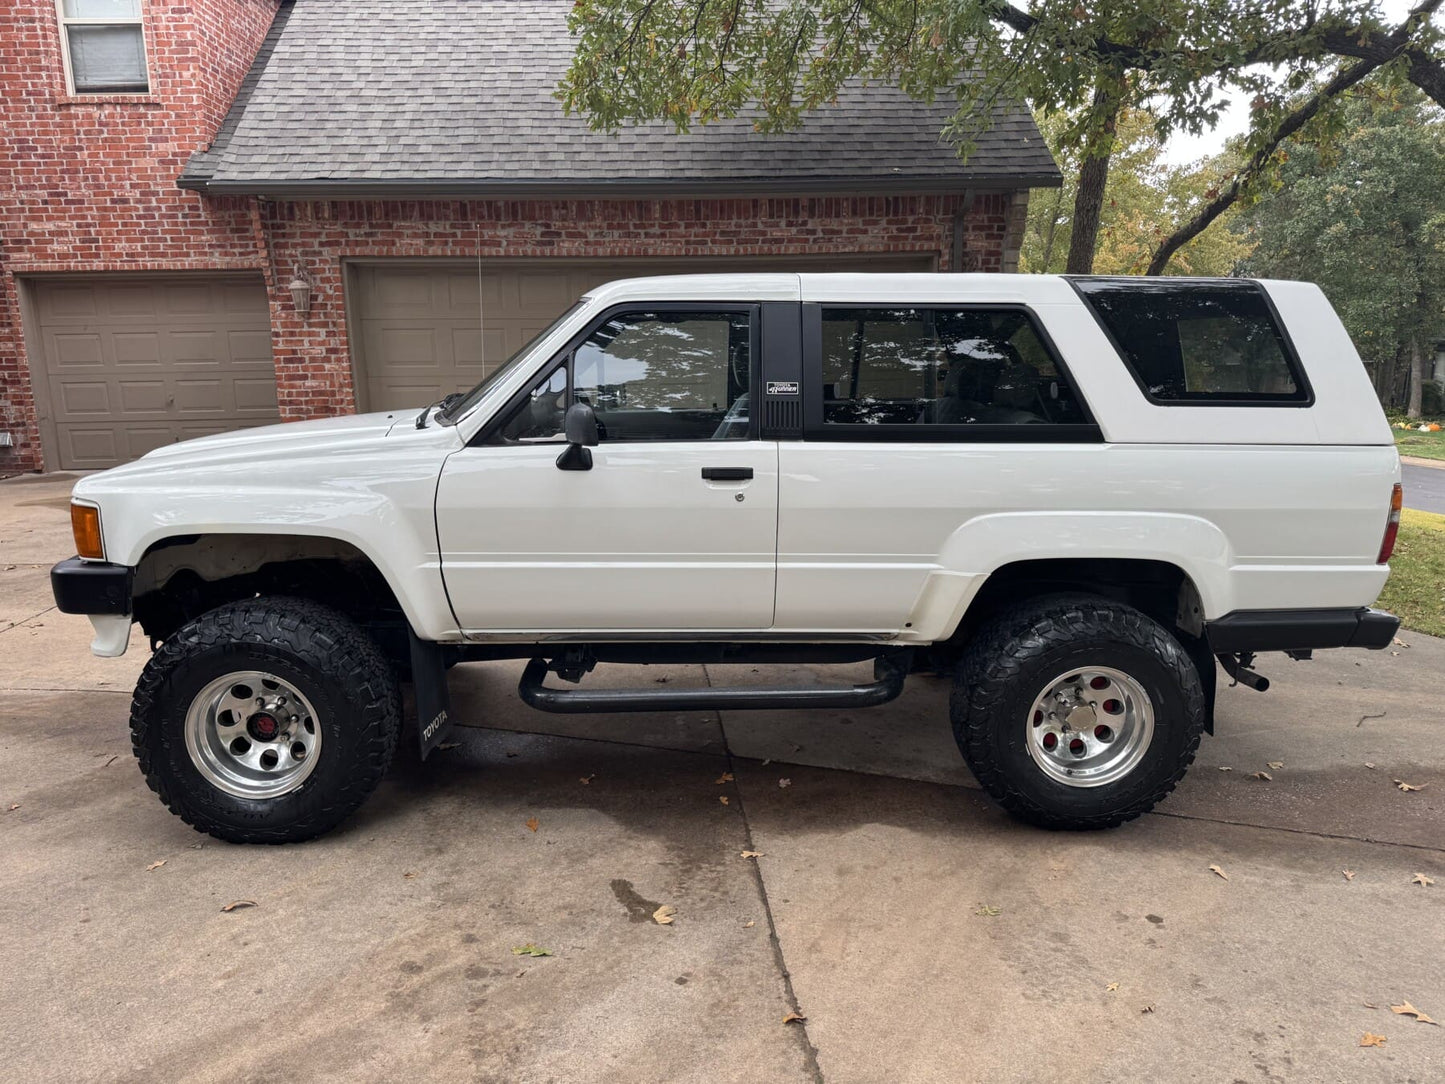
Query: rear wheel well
point(178, 579)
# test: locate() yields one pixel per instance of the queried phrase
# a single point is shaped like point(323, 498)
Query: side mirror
point(579, 426)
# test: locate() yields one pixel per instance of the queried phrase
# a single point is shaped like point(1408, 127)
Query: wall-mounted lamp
point(300, 287)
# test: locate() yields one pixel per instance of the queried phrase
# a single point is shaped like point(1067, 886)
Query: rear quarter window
point(1198, 343)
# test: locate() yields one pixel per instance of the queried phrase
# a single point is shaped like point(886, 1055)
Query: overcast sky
point(1235, 119)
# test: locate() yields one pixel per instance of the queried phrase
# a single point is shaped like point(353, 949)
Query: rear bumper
point(1300, 630)
point(91, 587)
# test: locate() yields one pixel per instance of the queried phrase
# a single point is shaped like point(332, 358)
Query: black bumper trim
point(91, 587)
point(1300, 630)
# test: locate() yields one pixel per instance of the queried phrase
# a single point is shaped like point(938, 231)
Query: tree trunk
point(1093, 176)
point(1417, 377)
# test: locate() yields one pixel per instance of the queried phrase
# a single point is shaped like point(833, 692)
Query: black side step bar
point(890, 670)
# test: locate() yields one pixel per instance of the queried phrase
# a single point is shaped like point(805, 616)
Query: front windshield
point(460, 406)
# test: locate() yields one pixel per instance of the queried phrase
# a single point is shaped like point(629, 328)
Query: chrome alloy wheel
point(1090, 726)
point(252, 735)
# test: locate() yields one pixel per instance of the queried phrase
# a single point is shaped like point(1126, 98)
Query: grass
point(1416, 589)
point(1424, 445)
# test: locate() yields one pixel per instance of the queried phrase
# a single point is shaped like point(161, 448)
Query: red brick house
point(218, 213)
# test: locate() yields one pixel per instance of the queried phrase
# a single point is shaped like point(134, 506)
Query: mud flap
point(433, 703)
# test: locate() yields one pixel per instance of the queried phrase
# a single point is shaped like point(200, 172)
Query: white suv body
point(811, 460)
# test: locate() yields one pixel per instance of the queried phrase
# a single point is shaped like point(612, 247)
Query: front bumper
point(91, 587)
point(1300, 630)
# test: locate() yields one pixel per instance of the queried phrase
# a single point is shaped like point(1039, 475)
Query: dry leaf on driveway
point(988, 912)
point(155, 866)
point(1112, 987)
point(664, 915)
point(408, 875)
point(1409, 1010)
point(794, 1018)
point(530, 949)
point(1421, 880)
point(236, 905)
point(1147, 1008)
point(1349, 874)
point(726, 777)
point(13, 808)
point(751, 854)
point(1408, 787)
point(586, 780)
point(1275, 765)
point(1370, 1039)
point(1216, 869)
point(1225, 768)
point(785, 782)
point(749, 924)
point(1262, 775)
point(533, 823)
point(723, 798)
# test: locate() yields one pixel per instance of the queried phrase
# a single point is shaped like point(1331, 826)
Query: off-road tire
point(1008, 664)
point(326, 656)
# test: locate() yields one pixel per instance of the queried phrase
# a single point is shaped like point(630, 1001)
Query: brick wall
point(88, 183)
point(313, 363)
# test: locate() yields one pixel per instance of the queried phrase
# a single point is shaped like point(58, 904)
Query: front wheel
point(269, 720)
point(1076, 712)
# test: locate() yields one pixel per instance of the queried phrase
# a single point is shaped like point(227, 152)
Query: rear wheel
point(268, 720)
point(1076, 712)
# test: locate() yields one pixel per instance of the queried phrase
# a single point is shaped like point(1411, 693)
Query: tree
point(691, 61)
point(1364, 220)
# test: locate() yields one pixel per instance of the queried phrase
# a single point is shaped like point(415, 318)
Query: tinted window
point(1197, 342)
point(649, 376)
point(909, 366)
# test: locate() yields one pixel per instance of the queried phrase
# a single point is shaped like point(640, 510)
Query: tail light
point(1392, 525)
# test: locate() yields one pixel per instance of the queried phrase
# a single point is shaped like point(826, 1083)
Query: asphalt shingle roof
point(447, 97)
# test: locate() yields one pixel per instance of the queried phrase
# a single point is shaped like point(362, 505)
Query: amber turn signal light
point(85, 525)
point(1392, 524)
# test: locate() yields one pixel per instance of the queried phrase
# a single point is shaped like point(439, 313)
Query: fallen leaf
point(236, 905)
point(530, 949)
point(520, 973)
point(1262, 775)
point(1369, 765)
point(664, 915)
point(1349, 874)
point(749, 924)
point(1147, 1008)
point(794, 1018)
point(1369, 1039)
point(751, 854)
point(1112, 987)
point(785, 783)
point(1367, 1005)
point(726, 777)
point(767, 762)
point(1407, 787)
point(1216, 869)
point(1409, 1010)
point(408, 875)
point(1400, 643)
point(1421, 880)
point(533, 823)
point(155, 865)
point(111, 761)
point(1275, 765)
point(444, 746)
point(586, 780)
point(723, 798)
point(1225, 768)
point(13, 808)
point(988, 912)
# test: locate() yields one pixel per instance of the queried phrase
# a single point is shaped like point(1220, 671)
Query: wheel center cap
point(263, 727)
point(1081, 717)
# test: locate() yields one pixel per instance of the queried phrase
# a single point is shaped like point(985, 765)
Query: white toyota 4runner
point(1075, 494)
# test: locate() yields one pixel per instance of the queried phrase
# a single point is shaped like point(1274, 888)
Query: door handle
point(727, 474)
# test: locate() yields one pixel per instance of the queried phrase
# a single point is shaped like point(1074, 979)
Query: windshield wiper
point(443, 402)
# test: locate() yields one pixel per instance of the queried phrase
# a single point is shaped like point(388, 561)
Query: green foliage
point(1143, 200)
point(1364, 219)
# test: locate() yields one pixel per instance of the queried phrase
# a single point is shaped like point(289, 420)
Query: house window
point(104, 46)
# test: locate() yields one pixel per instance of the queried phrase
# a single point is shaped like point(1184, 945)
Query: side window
point(649, 376)
point(104, 46)
point(1197, 343)
point(941, 367)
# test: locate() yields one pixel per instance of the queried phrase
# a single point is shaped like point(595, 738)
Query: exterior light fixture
point(300, 287)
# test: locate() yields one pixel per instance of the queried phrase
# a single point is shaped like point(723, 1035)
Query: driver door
point(673, 527)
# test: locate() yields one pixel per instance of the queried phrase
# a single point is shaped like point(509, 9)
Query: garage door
point(426, 329)
point(128, 364)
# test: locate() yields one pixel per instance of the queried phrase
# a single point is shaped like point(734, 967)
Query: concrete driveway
point(925, 936)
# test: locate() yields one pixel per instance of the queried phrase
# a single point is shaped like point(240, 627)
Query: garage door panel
point(132, 366)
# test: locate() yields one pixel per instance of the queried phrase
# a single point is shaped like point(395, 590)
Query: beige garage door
point(127, 364)
point(430, 328)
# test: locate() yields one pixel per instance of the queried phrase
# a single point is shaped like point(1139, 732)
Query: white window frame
point(66, 22)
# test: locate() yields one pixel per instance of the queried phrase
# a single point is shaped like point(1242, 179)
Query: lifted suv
point(1076, 494)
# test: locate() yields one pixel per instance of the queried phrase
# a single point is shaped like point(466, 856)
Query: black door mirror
point(579, 426)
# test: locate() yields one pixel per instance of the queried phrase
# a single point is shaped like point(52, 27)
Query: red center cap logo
point(266, 726)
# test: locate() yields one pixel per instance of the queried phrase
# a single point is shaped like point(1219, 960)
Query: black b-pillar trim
point(780, 398)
